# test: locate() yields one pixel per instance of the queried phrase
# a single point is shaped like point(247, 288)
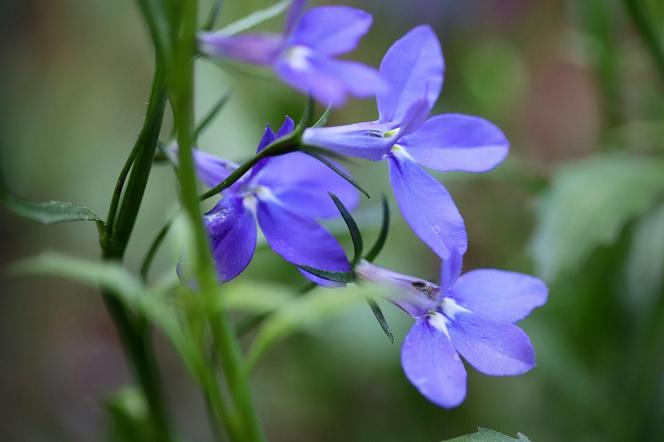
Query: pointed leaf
point(256, 18)
point(355, 234)
point(344, 277)
point(48, 212)
point(378, 313)
point(212, 113)
point(382, 235)
point(322, 121)
point(336, 170)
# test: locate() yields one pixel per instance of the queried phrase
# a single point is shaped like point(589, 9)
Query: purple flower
point(303, 56)
point(473, 316)
point(413, 68)
point(285, 194)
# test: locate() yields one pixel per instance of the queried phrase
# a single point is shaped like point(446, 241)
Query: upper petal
point(427, 207)
point(210, 169)
point(231, 229)
point(363, 140)
point(453, 142)
point(302, 184)
point(413, 68)
point(261, 49)
point(501, 295)
point(432, 365)
point(326, 79)
point(450, 269)
point(331, 30)
point(298, 239)
point(493, 347)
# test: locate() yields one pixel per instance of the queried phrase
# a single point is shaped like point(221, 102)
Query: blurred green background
point(579, 202)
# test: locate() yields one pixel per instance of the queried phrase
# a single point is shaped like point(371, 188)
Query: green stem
point(647, 33)
point(182, 96)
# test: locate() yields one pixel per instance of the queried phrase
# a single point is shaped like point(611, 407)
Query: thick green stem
point(182, 96)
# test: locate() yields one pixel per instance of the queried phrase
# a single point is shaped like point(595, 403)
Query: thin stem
point(182, 84)
point(154, 246)
point(647, 32)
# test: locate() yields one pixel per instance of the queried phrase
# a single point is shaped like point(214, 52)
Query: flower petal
point(331, 30)
point(413, 67)
point(432, 365)
point(231, 229)
point(450, 270)
point(427, 207)
point(326, 79)
point(260, 49)
point(362, 140)
point(302, 184)
point(501, 295)
point(493, 347)
point(300, 240)
point(454, 142)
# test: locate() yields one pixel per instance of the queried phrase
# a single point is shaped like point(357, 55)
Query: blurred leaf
point(128, 414)
point(255, 297)
point(256, 18)
point(108, 275)
point(644, 267)
point(380, 317)
point(486, 435)
point(300, 313)
point(322, 121)
point(588, 204)
point(211, 114)
point(48, 212)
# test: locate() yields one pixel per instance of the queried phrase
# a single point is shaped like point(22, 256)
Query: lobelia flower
point(413, 68)
point(303, 56)
point(473, 316)
point(285, 194)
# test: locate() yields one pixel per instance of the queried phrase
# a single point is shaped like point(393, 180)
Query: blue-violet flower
point(285, 194)
point(303, 56)
point(472, 315)
point(413, 68)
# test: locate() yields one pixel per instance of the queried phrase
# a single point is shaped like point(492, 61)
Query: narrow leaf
point(304, 311)
point(128, 416)
point(110, 276)
point(213, 16)
point(306, 118)
point(382, 235)
point(344, 277)
point(322, 121)
point(212, 113)
point(355, 234)
point(256, 18)
point(336, 170)
point(378, 313)
point(49, 212)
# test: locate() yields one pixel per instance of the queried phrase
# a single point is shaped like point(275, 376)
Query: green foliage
point(644, 267)
point(128, 416)
point(297, 314)
point(588, 204)
point(486, 435)
point(256, 18)
point(49, 212)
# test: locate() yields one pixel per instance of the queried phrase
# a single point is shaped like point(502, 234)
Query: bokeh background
point(580, 202)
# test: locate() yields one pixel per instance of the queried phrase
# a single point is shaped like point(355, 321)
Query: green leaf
point(588, 204)
point(301, 312)
point(322, 121)
point(128, 416)
point(355, 234)
point(486, 435)
point(256, 18)
point(329, 275)
point(213, 15)
point(378, 313)
point(335, 169)
point(382, 235)
point(644, 266)
point(108, 275)
point(48, 212)
point(212, 113)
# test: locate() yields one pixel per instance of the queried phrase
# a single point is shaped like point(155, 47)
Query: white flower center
point(451, 308)
point(297, 57)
